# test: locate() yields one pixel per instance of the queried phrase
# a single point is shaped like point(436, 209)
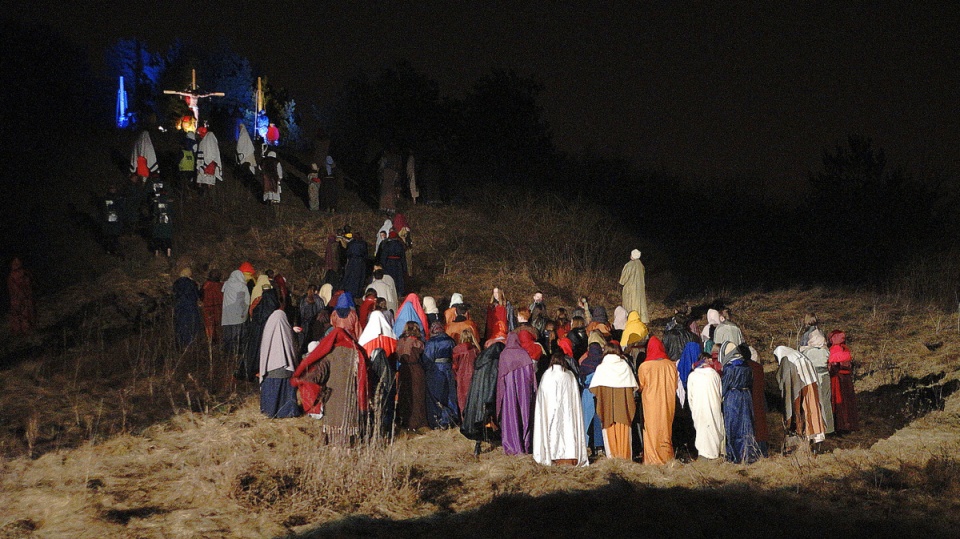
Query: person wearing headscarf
point(442, 409)
point(355, 271)
point(236, 300)
point(329, 185)
point(278, 361)
point(326, 294)
point(411, 406)
point(599, 320)
point(613, 384)
point(431, 310)
point(588, 363)
point(332, 384)
point(634, 330)
point(385, 288)
point(271, 173)
point(619, 318)
point(707, 334)
point(737, 382)
point(367, 306)
point(262, 283)
point(411, 311)
point(815, 348)
point(798, 388)
point(143, 158)
point(657, 377)
point(380, 344)
point(558, 431)
point(209, 163)
point(212, 297)
point(246, 154)
point(634, 293)
point(20, 289)
point(186, 310)
point(461, 323)
point(464, 356)
point(450, 314)
point(267, 302)
point(844, 400)
point(727, 331)
point(344, 315)
point(516, 387)
point(704, 396)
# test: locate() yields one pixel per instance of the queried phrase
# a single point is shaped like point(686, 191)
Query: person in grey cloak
point(236, 301)
point(278, 360)
point(633, 281)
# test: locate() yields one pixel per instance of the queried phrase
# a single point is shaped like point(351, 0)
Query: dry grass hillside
point(108, 431)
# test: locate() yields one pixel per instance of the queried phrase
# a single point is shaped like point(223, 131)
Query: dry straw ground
point(107, 431)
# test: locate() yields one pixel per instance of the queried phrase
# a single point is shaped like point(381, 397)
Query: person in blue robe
point(437, 362)
point(737, 405)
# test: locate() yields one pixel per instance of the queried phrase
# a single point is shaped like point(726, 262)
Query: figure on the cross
point(193, 94)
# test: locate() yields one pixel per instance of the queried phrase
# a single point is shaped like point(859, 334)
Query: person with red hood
point(331, 384)
point(843, 398)
point(658, 378)
point(367, 306)
point(20, 288)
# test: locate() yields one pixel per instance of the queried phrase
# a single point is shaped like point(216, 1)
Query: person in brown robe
point(613, 385)
point(761, 431)
point(412, 407)
point(657, 377)
point(801, 397)
point(212, 297)
point(22, 315)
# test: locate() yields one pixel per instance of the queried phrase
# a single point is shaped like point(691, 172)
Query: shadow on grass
point(622, 509)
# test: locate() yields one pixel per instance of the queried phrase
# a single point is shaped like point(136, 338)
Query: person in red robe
point(496, 312)
point(20, 287)
point(212, 296)
point(367, 306)
point(842, 396)
point(464, 356)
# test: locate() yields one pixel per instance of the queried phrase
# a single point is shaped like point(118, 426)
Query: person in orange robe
point(657, 377)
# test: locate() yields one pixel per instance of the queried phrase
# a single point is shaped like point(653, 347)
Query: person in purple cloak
point(516, 387)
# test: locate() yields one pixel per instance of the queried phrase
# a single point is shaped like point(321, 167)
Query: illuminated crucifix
point(193, 95)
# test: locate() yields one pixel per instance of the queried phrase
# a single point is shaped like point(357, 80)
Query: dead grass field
point(107, 431)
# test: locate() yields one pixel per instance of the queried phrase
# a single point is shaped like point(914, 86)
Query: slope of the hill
point(109, 431)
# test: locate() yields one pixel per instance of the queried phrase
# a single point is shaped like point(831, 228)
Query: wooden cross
point(193, 95)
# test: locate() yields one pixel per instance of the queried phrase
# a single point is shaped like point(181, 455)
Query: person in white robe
point(704, 397)
point(558, 433)
point(209, 163)
point(246, 152)
point(143, 148)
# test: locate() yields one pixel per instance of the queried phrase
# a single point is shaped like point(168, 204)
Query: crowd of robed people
point(560, 386)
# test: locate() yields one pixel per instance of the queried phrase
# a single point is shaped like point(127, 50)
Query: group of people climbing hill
point(562, 387)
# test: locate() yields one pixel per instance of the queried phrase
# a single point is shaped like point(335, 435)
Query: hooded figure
point(619, 318)
point(657, 377)
point(209, 164)
point(819, 356)
point(246, 154)
point(613, 385)
point(431, 310)
point(382, 235)
point(411, 405)
point(634, 294)
point(20, 288)
point(713, 320)
point(411, 311)
point(516, 386)
point(704, 398)
point(841, 379)
point(801, 397)
point(332, 384)
point(385, 290)
point(451, 313)
point(236, 300)
point(380, 343)
point(437, 360)
point(271, 175)
point(558, 432)
point(143, 158)
point(186, 312)
point(737, 382)
point(278, 360)
point(355, 271)
point(481, 406)
point(267, 304)
point(588, 366)
point(634, 330)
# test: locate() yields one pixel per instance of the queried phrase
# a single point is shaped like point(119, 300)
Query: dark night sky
point(754, 90)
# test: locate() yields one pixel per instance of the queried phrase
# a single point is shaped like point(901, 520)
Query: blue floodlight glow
point(123, 119)
point(263, 123)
